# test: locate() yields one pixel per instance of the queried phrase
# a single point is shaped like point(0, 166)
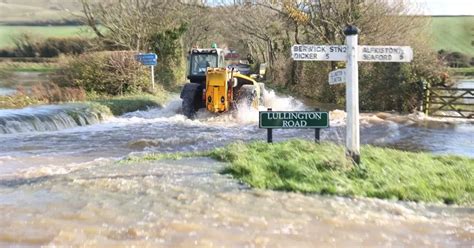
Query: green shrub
point(455, 59)
point(17, 101)
point(105, 73)
point(167, 45)
point(125, 104)
point(52, 93)
point(53, 47)
point(30, 46)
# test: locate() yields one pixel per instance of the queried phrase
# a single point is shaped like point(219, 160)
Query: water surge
point(50, 118)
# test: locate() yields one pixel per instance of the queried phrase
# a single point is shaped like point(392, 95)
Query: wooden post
point(317, 131)
point(269, 132)
point(426, 98)
point(352, 95)
point(153, 77)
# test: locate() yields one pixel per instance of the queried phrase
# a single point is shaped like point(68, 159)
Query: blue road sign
point(147, 58)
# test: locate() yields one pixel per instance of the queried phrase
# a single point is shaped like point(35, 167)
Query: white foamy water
point(48, 118)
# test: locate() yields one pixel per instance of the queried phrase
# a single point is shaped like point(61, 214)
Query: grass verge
point(124, 104)
point(18, 101)
point(306, 167)
point(162, 156)
point(11, 67)
point(467, 72)
point(114, 105)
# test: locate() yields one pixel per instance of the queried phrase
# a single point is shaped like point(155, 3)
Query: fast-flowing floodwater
point(65, 185)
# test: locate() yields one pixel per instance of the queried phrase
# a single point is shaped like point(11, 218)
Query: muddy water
point(67, 187)
point(186, 203)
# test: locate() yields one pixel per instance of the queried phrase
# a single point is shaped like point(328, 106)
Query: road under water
point(67, 187)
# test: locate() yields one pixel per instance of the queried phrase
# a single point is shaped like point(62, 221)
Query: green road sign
point(294, 119)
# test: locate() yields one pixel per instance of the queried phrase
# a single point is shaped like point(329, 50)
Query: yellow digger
point(215, 87)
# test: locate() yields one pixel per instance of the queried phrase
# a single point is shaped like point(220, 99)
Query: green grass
point(306, 167)
point(28, 67)
point(467, 72)
point(18, 101)
point(8, 32)
point(110, 105)
point(454, 33)
point(101, 111)
point(161, 156)
point(14, 11)
point(124, 104)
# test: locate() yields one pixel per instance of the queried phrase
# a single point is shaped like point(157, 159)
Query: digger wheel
point(191, 100)
point(247, 95)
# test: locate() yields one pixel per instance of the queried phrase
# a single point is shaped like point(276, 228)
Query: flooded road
point(68, 187)
point(186, 203)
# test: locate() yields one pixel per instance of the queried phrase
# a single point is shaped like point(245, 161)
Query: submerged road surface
point(68, 187)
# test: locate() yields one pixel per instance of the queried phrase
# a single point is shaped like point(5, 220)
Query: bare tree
point(131, 23)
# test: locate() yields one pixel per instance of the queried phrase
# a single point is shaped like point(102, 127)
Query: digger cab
point(201, 59)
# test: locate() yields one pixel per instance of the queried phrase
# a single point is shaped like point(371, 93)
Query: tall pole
point(352, 95)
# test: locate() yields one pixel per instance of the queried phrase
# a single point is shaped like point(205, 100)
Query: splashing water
point(48, 118)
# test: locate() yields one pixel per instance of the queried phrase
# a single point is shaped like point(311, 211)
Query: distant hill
point(29, 11)
point(454, 33)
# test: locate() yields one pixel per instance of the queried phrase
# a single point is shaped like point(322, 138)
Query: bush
point(52, 93)
point(7, 53)
point(455, 59)
point(30, 46)
point(105, 73)
point(124, 104)
point(169, 49)
point(53, 47)
point(17, 101)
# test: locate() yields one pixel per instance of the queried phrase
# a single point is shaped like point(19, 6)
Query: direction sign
point(147, 58)
point(385, 54)
point(319, 53)
point(351, 53)
point(339, 53)
point(293, 119)
point(337, 77)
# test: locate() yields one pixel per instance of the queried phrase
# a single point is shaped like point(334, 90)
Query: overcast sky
point(444, 7)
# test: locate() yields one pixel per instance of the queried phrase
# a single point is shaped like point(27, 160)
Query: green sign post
point(293, 119)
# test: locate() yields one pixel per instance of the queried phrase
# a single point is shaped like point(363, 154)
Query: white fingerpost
point(351, 53)
point(352, 94)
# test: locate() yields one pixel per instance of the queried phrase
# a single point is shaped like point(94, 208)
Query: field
point(7, 32)
point(13, 11)
point(33, 11)
point(454, 33)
